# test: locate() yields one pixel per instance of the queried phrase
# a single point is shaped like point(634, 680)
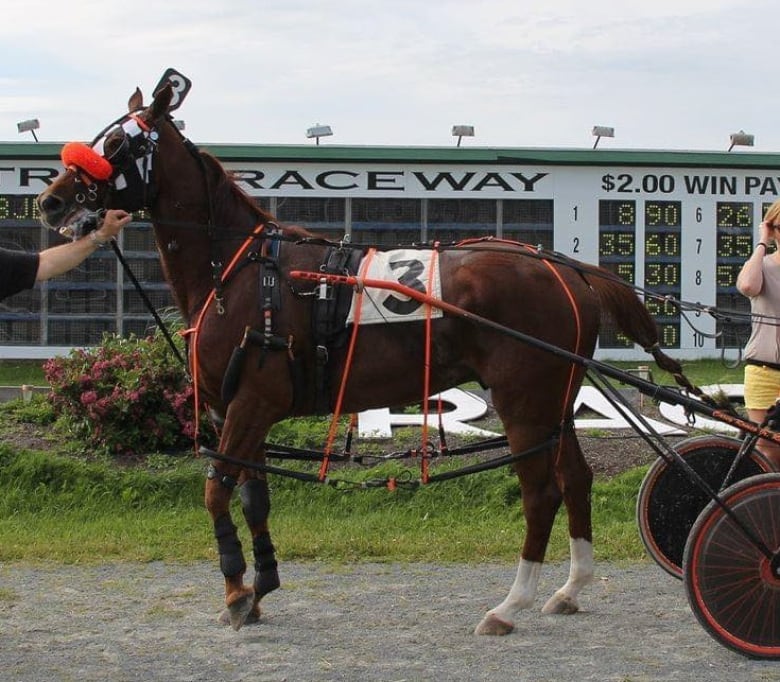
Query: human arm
point(750, 280)
point(64, 257)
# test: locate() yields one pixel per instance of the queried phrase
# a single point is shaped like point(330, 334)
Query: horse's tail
point(634, 320)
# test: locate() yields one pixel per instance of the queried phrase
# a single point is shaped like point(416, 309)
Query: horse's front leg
point(220, 483)
point(256, 505)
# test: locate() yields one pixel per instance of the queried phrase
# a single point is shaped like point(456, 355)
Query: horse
point(202, 219)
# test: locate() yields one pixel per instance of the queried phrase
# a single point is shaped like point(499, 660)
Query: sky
point(666, 74)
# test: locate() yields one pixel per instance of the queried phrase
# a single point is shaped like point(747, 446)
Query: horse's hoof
point(560, 605)
point(239, 609)
point(251, 619)
point(266, 581)
point(490, 625)
point(254, 613)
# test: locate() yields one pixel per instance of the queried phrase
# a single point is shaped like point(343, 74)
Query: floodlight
point(462, 131)
point(319, 131)
point(30, 125)
point(742, 139)
point(602, 131)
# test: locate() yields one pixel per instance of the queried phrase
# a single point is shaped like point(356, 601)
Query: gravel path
point(350, 622)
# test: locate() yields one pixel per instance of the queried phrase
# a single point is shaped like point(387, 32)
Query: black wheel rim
point(672, 501)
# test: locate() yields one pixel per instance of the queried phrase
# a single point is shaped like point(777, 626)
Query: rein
point(149, 306)
point(138, 145)
point(139, 141)
point(684, 307)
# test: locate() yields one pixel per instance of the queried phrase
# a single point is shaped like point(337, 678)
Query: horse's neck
point(190, 234)
point(185, 264)
point(193, 254)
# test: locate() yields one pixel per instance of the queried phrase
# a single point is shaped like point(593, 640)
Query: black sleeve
point(17, 271)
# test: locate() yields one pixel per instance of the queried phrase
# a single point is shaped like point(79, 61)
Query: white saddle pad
point(410, 267)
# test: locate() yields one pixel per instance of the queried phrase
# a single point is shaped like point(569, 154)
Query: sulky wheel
point(669, 502)
point(733, 587)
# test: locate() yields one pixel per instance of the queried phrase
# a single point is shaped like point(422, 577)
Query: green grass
point(61, 507)
point(700, 372)
point(18, 372)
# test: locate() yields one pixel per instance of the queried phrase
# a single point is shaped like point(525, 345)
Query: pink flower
point(89, 397)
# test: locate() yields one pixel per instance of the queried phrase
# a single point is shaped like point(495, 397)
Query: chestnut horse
point(201, 219)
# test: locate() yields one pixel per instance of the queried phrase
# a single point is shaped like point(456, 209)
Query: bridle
point(126, 167)
point(127, 171)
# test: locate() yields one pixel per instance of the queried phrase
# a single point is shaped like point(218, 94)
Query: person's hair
point(772, 215)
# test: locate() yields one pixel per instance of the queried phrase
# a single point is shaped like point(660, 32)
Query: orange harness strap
point(194, 332)
point(578, 324)
point(427, 367)
point(569, 295)
point(323, 473)
point(334, 422)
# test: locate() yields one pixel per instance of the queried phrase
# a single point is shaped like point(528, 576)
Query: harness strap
point(269, 295)
point(427, 367)
point(194, 332)
point(143, 125)
point(160, 323)
point(578, 322)
point(391, 483)
point(578, 325)
point(323, 473)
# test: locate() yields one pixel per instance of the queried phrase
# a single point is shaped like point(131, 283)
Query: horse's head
point(114, 171)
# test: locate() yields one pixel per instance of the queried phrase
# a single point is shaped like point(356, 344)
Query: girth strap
point(329, 314)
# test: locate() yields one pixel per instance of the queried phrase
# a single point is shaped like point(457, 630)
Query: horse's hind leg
point(541, 501)
point(256, 505)
point(575, 480)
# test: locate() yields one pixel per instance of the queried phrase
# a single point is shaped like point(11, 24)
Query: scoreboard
point(677, 224)
point(680, 234)
point(661, 255)
point(15, 208)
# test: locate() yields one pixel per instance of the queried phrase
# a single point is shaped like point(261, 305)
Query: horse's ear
point(136, 101)
point(161, 102)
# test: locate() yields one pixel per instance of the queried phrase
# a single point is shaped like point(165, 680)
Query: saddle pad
point(413, 268)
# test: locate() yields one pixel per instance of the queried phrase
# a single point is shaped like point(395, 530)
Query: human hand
point(766, 233)
point(113, 222)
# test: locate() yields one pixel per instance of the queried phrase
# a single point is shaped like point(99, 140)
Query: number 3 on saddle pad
point(409, 267)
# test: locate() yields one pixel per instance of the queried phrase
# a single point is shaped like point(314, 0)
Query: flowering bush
point(128, 395)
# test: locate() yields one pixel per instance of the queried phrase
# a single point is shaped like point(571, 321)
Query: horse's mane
point(230, 201)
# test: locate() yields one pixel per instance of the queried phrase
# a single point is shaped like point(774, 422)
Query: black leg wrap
point(255, 501)
point(266, 575)
point(231, 558)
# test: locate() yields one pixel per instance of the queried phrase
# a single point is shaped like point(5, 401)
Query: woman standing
point(759, 280)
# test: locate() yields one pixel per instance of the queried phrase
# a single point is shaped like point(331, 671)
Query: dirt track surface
point(351, 622)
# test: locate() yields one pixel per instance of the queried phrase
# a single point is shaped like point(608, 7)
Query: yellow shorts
point(762, 387)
